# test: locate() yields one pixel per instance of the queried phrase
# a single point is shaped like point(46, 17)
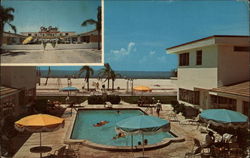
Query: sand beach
point(159, 86)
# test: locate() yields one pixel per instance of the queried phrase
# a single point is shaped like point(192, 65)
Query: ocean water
point(124, 74)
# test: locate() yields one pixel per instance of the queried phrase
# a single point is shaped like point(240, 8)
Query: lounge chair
point(173, 117)
point(63, 152)
point(235, 150)
point(194, 121)
point(197, 150)
point(108, 105)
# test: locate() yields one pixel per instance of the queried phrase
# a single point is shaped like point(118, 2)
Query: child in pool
point(119, 135)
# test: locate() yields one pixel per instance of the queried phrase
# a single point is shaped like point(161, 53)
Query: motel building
point(86, 37)
point(213, 72)
point(53, 33)
point(17, 90)
point(49, 33)
point(12, 38)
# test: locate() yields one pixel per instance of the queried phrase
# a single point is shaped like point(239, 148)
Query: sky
point(137, 33)
point(64, 14)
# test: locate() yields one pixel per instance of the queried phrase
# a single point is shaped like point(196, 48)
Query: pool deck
point(56, 139)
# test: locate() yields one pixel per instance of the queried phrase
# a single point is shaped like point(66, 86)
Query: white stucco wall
point(18, 76)
point(199, 76)
point(48, 47)
point(233, 66)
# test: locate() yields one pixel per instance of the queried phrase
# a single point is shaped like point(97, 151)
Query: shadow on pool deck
point(8, 53)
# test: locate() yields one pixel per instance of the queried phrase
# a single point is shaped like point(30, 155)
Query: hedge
point(62, 99)
point(99, 99)
point(163, 99)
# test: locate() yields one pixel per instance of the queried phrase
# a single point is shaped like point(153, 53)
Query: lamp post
point(132, 86)
point(127, 83)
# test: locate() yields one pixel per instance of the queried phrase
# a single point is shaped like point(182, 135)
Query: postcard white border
point(68, 64)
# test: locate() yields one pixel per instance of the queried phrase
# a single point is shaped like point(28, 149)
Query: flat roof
point(15, 34)
point(7, 91)
point(205, 39)
point(241, 89)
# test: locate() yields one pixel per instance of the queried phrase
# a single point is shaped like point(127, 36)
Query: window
point(184, 59)
point(199, 57)
point(66, 34)
point(29, 34)
point(223, 102)
point(189, 96)
point(241, 49)
point(246, 110)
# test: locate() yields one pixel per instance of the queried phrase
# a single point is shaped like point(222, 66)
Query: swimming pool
point(84, 129)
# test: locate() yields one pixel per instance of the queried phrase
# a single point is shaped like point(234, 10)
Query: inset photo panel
point(51, 32)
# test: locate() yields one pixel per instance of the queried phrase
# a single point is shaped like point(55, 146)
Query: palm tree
point(89, 72)
point(49, 71)
point(6, 17)
point(113, 76)
point(97, 23)
point(106, 72)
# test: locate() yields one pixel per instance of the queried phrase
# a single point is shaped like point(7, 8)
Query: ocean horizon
point(124, 74)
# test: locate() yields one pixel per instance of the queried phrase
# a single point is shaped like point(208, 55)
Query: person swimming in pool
point(101, 123)
point(119, 135)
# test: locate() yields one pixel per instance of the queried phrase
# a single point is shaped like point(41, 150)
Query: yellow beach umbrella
point(142, 88)
point(27, 40)
point(39, 123)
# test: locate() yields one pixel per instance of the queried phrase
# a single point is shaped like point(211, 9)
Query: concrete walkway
point(174, 150)
point(72, 56)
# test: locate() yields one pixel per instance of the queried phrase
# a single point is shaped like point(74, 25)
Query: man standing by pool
point(158, 108)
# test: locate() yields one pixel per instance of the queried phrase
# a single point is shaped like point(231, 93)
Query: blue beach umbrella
point(224, 118)
point(143, 124)
point(69, 89)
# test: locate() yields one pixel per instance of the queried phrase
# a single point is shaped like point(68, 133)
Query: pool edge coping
point(161, 144)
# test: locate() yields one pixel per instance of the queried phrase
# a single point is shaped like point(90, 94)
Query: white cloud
point(123, 51)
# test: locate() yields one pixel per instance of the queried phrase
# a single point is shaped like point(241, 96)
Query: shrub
point(95, 99)
point(163, 99)
point(41, 106)
point(98, 99)
point(114, 99)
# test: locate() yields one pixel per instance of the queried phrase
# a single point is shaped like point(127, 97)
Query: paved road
point(73, 56)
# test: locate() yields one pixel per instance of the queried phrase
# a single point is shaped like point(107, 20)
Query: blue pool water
point(84, 129)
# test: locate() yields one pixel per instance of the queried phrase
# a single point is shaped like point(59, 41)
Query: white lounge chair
point(108, 105)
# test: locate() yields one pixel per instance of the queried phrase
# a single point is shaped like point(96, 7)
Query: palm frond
point(89, 22)
point(12, 27)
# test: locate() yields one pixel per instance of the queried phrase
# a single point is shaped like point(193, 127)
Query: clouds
point(125, 51)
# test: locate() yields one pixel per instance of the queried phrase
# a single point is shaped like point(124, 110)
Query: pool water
point(84, 129)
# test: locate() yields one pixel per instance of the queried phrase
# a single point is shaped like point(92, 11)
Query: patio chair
point(75, 147)
point(63, 152)
point(108, 105)
point(234, 150)
point(197, 150)
point(173, 117)
point(194, 121)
